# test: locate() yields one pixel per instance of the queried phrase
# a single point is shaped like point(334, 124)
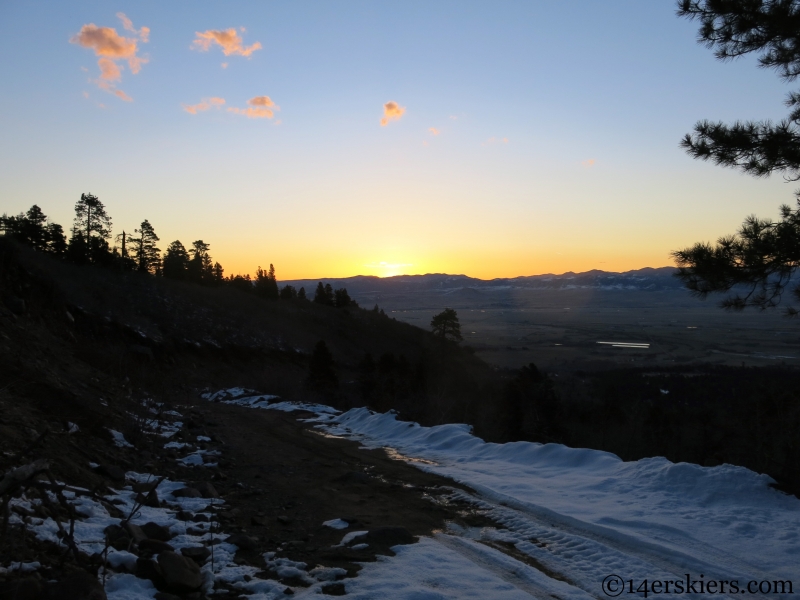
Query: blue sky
point(557, 147)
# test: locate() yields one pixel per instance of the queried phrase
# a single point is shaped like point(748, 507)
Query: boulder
point(78, 585)
point(181, 574)
point(157, 532)
point(206, 490)
point(245, 542)
point(147, 568)
point(111, 472)
point(135, 532)
point(187, 492)
point(155, 546)
point(198, 554)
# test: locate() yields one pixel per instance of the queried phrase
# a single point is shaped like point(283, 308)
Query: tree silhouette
point(266, 284)
point(200, 269)
point(31, 228)
point(446, 326)
point(734, 28)
point(324, 294)
point(91, 231)
point(342, 299)
point(144, 251)
point(289, 293)
point(176, 261)
point(762, 256)
point(321, 373)
point(301, 294)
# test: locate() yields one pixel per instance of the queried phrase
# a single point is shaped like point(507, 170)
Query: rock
point(151, 499)
point(135, 532)
point(180, 574)
point(78, 585)
point(148, 569)
point(245, 542)
point(157, 532)
point(187, 492)
point(144, 488)
point(195, 531)
point(155, 546)
point(185, 515)
point(284, 519)
point(288, 591)
point(23, 589)
point(166, 596)
point(257, 521)
point(334, 589)
point(200, 518)
point(198, 554)
point(112, 472)
point(206, 490)
point(118, 537)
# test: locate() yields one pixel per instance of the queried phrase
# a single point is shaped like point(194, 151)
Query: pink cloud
point(392, 111)
point(204, 104)
point(588, 162)
point(261, 107)
point(143, 33)
point(229, 40)
point(434, 131)
point(112, 48)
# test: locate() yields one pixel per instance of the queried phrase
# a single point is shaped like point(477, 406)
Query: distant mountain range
point(647, 279)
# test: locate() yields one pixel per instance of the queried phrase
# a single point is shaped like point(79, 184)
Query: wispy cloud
point(143, 34)
point(589, 162)
point(261, 107)
point(392, 111)
point(204, 104)
point(495, 140)
point(229, 40)
point(434, 131)
point(113, 48)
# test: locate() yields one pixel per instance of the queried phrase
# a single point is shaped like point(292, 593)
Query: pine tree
point(176, 261)
point(341, 299)
point(301, 294)
point(734, 28)
point(93, 226)
point(200, 268)
point(28, 228)
point(289, 293)
point(319, 294)
point(321, 373)
point(144, 251)
point(446, 326)
point(764, 254)
point(266, 284)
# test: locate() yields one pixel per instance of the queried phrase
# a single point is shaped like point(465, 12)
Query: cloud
point(495, 140)
point(109, 71)
point(112, 48)
point(434, 131)
point(454, 117)
point(589, 162)
point(261, 107)
point(224, 65)
point(127, 24)
point(392, 111)
point(228, 40)
point(204, 104)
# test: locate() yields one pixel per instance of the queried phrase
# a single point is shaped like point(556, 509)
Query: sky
point(492, 139)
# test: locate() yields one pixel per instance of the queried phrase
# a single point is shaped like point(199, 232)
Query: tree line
point(91, 243)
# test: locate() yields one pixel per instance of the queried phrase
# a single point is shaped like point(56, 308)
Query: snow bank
point(654, 504)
